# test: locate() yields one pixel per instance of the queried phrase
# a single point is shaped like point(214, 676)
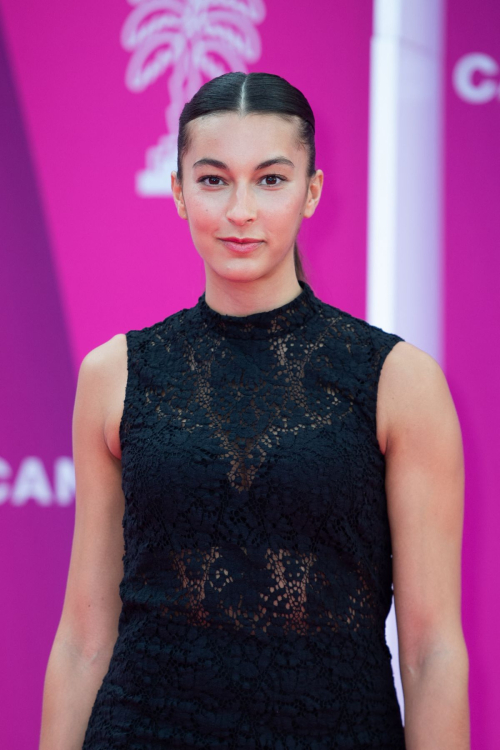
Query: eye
point(273, 177)
point(215, 177)
point(209, 177)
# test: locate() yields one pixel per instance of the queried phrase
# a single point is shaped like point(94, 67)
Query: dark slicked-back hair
point(256, 93)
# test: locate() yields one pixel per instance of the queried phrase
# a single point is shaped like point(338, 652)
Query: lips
point(241, 245)
point(241, 240)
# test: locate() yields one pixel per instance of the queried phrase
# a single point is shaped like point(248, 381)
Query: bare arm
point(88, 627)
point(425, 486)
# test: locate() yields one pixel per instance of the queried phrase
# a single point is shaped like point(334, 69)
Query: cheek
point(283, 210)
point(204, 213)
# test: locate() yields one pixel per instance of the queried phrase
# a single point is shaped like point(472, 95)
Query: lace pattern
point(257, 565)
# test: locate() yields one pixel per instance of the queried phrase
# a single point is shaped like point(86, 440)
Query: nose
point(241, 208)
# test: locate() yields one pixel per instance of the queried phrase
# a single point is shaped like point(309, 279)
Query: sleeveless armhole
point(383, 344)
point(126, 418)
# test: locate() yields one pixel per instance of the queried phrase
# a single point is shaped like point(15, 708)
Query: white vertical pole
point(404, 293)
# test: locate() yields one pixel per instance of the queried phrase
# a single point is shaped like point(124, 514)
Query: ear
point(313, 193)
point(178, 196)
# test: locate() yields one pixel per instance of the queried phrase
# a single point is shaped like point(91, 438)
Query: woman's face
point(228, 191)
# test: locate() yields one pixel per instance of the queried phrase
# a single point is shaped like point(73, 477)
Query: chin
point(241, 270)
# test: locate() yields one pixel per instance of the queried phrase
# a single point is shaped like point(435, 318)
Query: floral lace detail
point(257, 566)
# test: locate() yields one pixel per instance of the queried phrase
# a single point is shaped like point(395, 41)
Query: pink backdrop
point(101, 260)
point(472, 307)
point(84, 257)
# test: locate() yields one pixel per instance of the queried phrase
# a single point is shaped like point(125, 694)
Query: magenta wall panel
point(36, 394)
point(472, 306)
point(85, 256)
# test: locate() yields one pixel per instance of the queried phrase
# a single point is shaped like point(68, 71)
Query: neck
point(240, 298)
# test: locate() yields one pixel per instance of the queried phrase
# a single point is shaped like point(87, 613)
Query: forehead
point(249, 136)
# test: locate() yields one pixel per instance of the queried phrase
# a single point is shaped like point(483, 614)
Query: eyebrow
point(268, 163)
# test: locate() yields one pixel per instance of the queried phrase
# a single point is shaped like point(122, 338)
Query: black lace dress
point(257, 566)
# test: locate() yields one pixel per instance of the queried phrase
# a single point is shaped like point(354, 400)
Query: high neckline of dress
point(264, 324)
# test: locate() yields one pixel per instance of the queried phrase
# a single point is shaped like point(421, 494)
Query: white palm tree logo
point(196, 39)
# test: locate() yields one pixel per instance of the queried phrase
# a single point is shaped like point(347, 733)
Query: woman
point(273, 482)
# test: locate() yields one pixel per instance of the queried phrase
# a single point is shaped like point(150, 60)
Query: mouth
point(241, 245)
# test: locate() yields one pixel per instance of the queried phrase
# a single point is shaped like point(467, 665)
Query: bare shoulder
point(105, 358)
point(412, 391)
point(103, 378)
